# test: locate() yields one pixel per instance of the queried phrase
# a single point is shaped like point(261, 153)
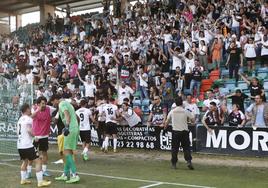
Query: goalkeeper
point(71, 133)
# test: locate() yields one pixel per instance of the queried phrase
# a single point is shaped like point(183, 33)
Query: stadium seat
point(224, 73)
point(201, 96)
point(242, 85)
point(230, 84)
point(145, 109)
point(214, 75)
point(136, 102)
point(265, 85)
point(137, 94)
point(224, 90)
point(205, 85)
point(262, 74)
point(264, 69)
point(145, 102)
point(205, 74)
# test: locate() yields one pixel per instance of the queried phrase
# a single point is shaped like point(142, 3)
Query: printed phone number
point(130, 144)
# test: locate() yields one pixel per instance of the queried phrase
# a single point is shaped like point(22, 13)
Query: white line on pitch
point(122, 178)
point(152, 185)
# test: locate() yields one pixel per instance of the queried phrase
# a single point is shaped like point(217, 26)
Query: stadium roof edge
point(15, 7)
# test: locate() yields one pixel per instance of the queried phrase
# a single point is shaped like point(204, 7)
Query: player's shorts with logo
point(41, 144)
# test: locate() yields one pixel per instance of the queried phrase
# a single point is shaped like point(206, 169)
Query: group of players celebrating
point(33, 131)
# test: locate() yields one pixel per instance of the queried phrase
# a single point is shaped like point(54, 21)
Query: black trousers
point(233, 70)
point(188, 78)
point(180, 138)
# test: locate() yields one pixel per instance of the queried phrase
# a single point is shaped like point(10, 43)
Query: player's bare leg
point(23, 173)
point(86, 147)
point(29, 170)
point(39, 174)
point(115, 142)
point(44, 163)
point(106, 143)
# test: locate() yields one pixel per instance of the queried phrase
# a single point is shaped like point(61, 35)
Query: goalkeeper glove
point(66, 131)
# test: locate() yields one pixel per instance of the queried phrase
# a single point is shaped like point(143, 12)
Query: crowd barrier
point(223, 140)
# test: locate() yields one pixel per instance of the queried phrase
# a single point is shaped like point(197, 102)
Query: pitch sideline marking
point(122, 178)
point(152, 185)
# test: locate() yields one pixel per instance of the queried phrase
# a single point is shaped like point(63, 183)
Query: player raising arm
point(26, 149)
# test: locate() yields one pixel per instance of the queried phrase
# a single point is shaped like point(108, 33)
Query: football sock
point(23, 175)
point(29, 168)
point(106, 142)
point(66, 166)
point(44, 168)
point(115, 143)
point(85, 150)
point(39, 176)
point(71, 163)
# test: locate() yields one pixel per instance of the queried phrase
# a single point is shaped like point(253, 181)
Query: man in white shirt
point(192, 107)
point(26, 149)
point(129, 115)
point(82, 34)
point(264, 50)
point(211, 98)
point(124, 91)
point(90, 87)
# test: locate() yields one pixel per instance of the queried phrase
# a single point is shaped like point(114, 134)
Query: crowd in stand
point(148, 55)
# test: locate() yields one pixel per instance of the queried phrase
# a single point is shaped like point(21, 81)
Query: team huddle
point(33, 131)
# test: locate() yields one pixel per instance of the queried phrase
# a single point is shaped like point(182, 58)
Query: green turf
point(145, 169)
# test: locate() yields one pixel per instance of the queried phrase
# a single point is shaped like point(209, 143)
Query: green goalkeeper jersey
point(64, 105)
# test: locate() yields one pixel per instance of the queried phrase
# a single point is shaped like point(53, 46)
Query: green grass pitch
point(140, 168)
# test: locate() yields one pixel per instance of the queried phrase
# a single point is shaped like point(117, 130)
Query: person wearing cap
point(238, 98)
